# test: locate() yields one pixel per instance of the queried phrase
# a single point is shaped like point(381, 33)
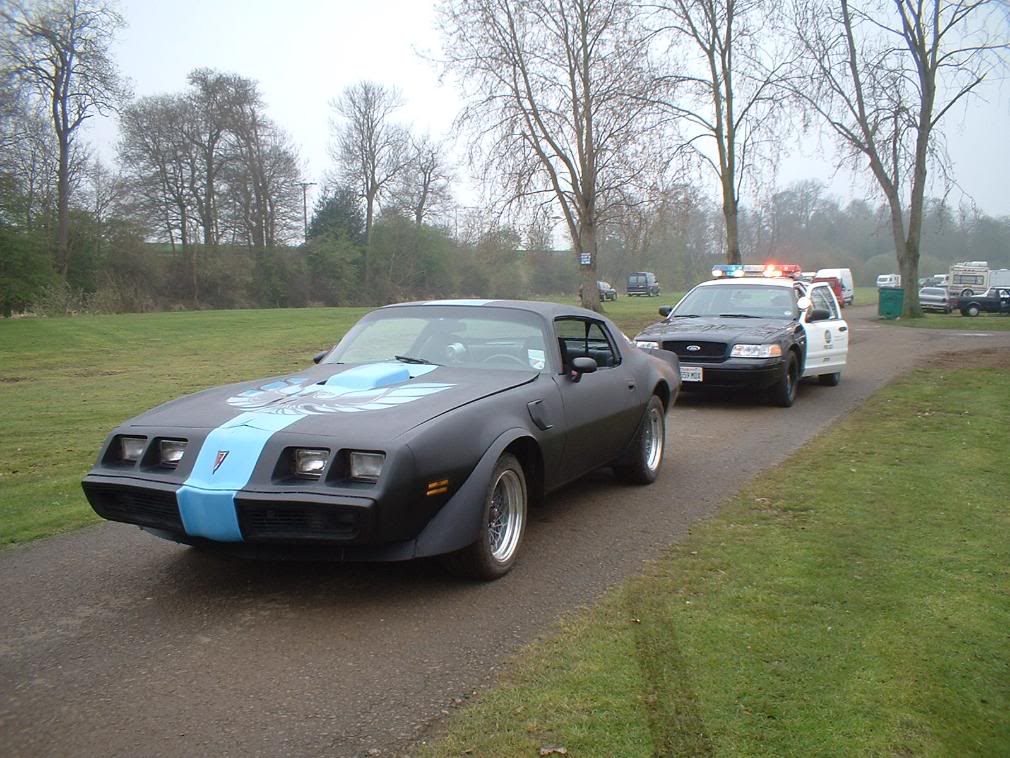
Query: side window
point(823, 302)
point(582, 337)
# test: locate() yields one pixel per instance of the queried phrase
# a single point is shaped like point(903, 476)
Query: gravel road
point(115, 643)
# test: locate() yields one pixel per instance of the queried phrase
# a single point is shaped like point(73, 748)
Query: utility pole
point(305, 208)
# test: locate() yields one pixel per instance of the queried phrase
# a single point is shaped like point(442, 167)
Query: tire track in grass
point(670, 701)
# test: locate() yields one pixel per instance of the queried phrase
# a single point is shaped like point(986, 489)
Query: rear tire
point(503, 525)
point(972, 310)
point(646, 455)
point(783, 394)
point(830, 380)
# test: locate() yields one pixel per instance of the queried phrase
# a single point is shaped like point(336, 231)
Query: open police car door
point(827, 334)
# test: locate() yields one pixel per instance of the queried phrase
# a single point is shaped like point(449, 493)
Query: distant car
point(934, 299)
point(606, 291)
point(993, 300)
point(761, 333)
point(643, 283)
point(889, 280)
point(424, 432)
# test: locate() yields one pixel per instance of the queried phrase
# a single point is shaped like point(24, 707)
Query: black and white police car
point(754, 327)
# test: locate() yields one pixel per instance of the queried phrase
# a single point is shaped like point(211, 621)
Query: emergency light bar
point(770, 270)
point(726, 269)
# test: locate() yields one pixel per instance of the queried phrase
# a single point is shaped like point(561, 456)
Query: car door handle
point(843, 328)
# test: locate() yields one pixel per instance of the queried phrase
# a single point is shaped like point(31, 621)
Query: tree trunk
point(729, 212)
point(63, 211)
point(589, 292)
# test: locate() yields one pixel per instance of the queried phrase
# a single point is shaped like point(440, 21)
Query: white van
point(844, 275)
point(889, 280)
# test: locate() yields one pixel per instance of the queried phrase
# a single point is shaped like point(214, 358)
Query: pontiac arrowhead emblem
point(221, 455)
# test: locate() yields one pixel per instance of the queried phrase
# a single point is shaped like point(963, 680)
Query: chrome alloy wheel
point(505, 516)
point(655, 431)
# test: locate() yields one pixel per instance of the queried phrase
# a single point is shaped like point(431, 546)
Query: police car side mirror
point(319, 356)
point(819, 315)
point(665, 310)
point(581, 365)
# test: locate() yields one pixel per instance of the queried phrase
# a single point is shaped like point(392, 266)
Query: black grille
point(710, 351)
point(135, 505)
point(297, 521)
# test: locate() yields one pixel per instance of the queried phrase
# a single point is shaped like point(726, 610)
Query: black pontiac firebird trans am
point(424, 432)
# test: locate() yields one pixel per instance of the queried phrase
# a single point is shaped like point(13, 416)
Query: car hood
point(332, 400)
point(748, 330)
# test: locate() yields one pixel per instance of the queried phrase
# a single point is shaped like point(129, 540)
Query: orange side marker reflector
point(438, 488)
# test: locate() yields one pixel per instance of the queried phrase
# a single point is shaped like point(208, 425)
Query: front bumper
point(752, 373)
point(240, 521)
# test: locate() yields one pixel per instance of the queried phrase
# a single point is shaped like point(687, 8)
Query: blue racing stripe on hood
point(223, 466)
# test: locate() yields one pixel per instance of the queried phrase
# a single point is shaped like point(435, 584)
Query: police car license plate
point(690, 373)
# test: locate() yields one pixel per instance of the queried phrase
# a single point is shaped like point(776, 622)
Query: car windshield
point(738, 301)
point(473, 336)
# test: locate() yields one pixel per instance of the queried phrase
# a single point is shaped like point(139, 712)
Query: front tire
point(783, 394)
point(503, 525)
point(646, 455)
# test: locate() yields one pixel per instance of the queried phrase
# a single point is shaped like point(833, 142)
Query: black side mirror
point(581, 365)
point(665, 310)
point(819, 314)
point(319, 356)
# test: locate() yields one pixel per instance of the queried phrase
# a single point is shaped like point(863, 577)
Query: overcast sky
point(304, 52)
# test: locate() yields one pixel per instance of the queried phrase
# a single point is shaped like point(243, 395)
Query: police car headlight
point(647, 344)
point(756, 351)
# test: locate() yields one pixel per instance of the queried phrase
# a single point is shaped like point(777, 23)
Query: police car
point(754, 326)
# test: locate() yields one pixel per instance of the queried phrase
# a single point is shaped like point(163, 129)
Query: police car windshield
point(738, 300)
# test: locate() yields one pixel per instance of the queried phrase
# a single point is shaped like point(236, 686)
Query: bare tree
point(724, 67)
point(882, 75)
point(559, 106)
point(369, 149)
point(28, 165)
point(59, 50)
point(162, 166)
point(421, 189)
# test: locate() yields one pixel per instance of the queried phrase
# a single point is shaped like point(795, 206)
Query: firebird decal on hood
point(371, 387)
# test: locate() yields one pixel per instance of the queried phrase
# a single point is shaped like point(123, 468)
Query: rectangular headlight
point(647, 344)
point(366, 467)
point(310, 462)
point(131, 448)
point(756, 351)
point(170, 452)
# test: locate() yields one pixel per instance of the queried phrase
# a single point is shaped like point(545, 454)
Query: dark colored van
point(643, 283)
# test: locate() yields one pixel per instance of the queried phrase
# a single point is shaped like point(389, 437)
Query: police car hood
point(337, 399)
point(717, 329)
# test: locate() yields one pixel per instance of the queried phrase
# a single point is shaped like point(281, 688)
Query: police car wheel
point(830, 380)
point(783, 394)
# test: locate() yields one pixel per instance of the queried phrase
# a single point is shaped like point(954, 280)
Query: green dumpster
point(891, 300)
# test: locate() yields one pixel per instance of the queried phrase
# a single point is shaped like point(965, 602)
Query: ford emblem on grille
point(694, 348)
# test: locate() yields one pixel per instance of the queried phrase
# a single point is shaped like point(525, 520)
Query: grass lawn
point(66, 382)
point(985, 322)
point(854, 601)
